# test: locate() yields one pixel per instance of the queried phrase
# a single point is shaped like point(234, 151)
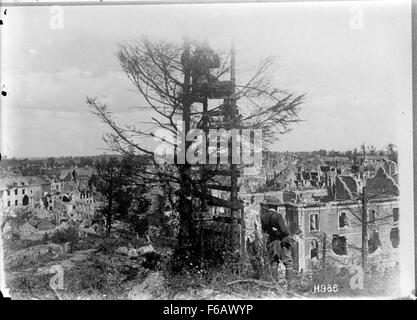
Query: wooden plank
point(218, 202)
point(226, 172)
point(219, 187)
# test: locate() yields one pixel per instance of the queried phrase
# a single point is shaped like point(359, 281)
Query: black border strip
point(414, 88)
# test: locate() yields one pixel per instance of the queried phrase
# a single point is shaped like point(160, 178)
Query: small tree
point(363, 149)
point(117, 183)
point(392, 152)
point(138, 214)
point(372, 150)
point(106, 182)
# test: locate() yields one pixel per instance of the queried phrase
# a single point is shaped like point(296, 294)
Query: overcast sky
point(357, 81)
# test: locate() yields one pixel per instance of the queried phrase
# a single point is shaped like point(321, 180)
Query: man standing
point(279, 241)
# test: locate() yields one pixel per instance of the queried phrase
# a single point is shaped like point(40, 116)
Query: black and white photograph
point(162, 150)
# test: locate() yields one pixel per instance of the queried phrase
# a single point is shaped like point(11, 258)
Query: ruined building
point(329, 230)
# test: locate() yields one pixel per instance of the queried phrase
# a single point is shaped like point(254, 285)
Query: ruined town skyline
point(315, 152)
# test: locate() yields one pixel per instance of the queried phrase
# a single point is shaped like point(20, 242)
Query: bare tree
point(372, 150)
point(363, 149)
point(369, 216)
point(164, 74)
point(392, 152)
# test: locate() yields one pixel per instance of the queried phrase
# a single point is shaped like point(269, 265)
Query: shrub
point(30, 286)
point(66, 235)
point(89, 276)
point(69, 235)
point(45, 238)
point(109, 245)
point(334, 275)
point(151, 260)
point(85, 243)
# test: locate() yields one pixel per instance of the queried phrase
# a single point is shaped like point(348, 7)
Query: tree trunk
point(109, 211)
point(108, 224)
point(186, 254)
